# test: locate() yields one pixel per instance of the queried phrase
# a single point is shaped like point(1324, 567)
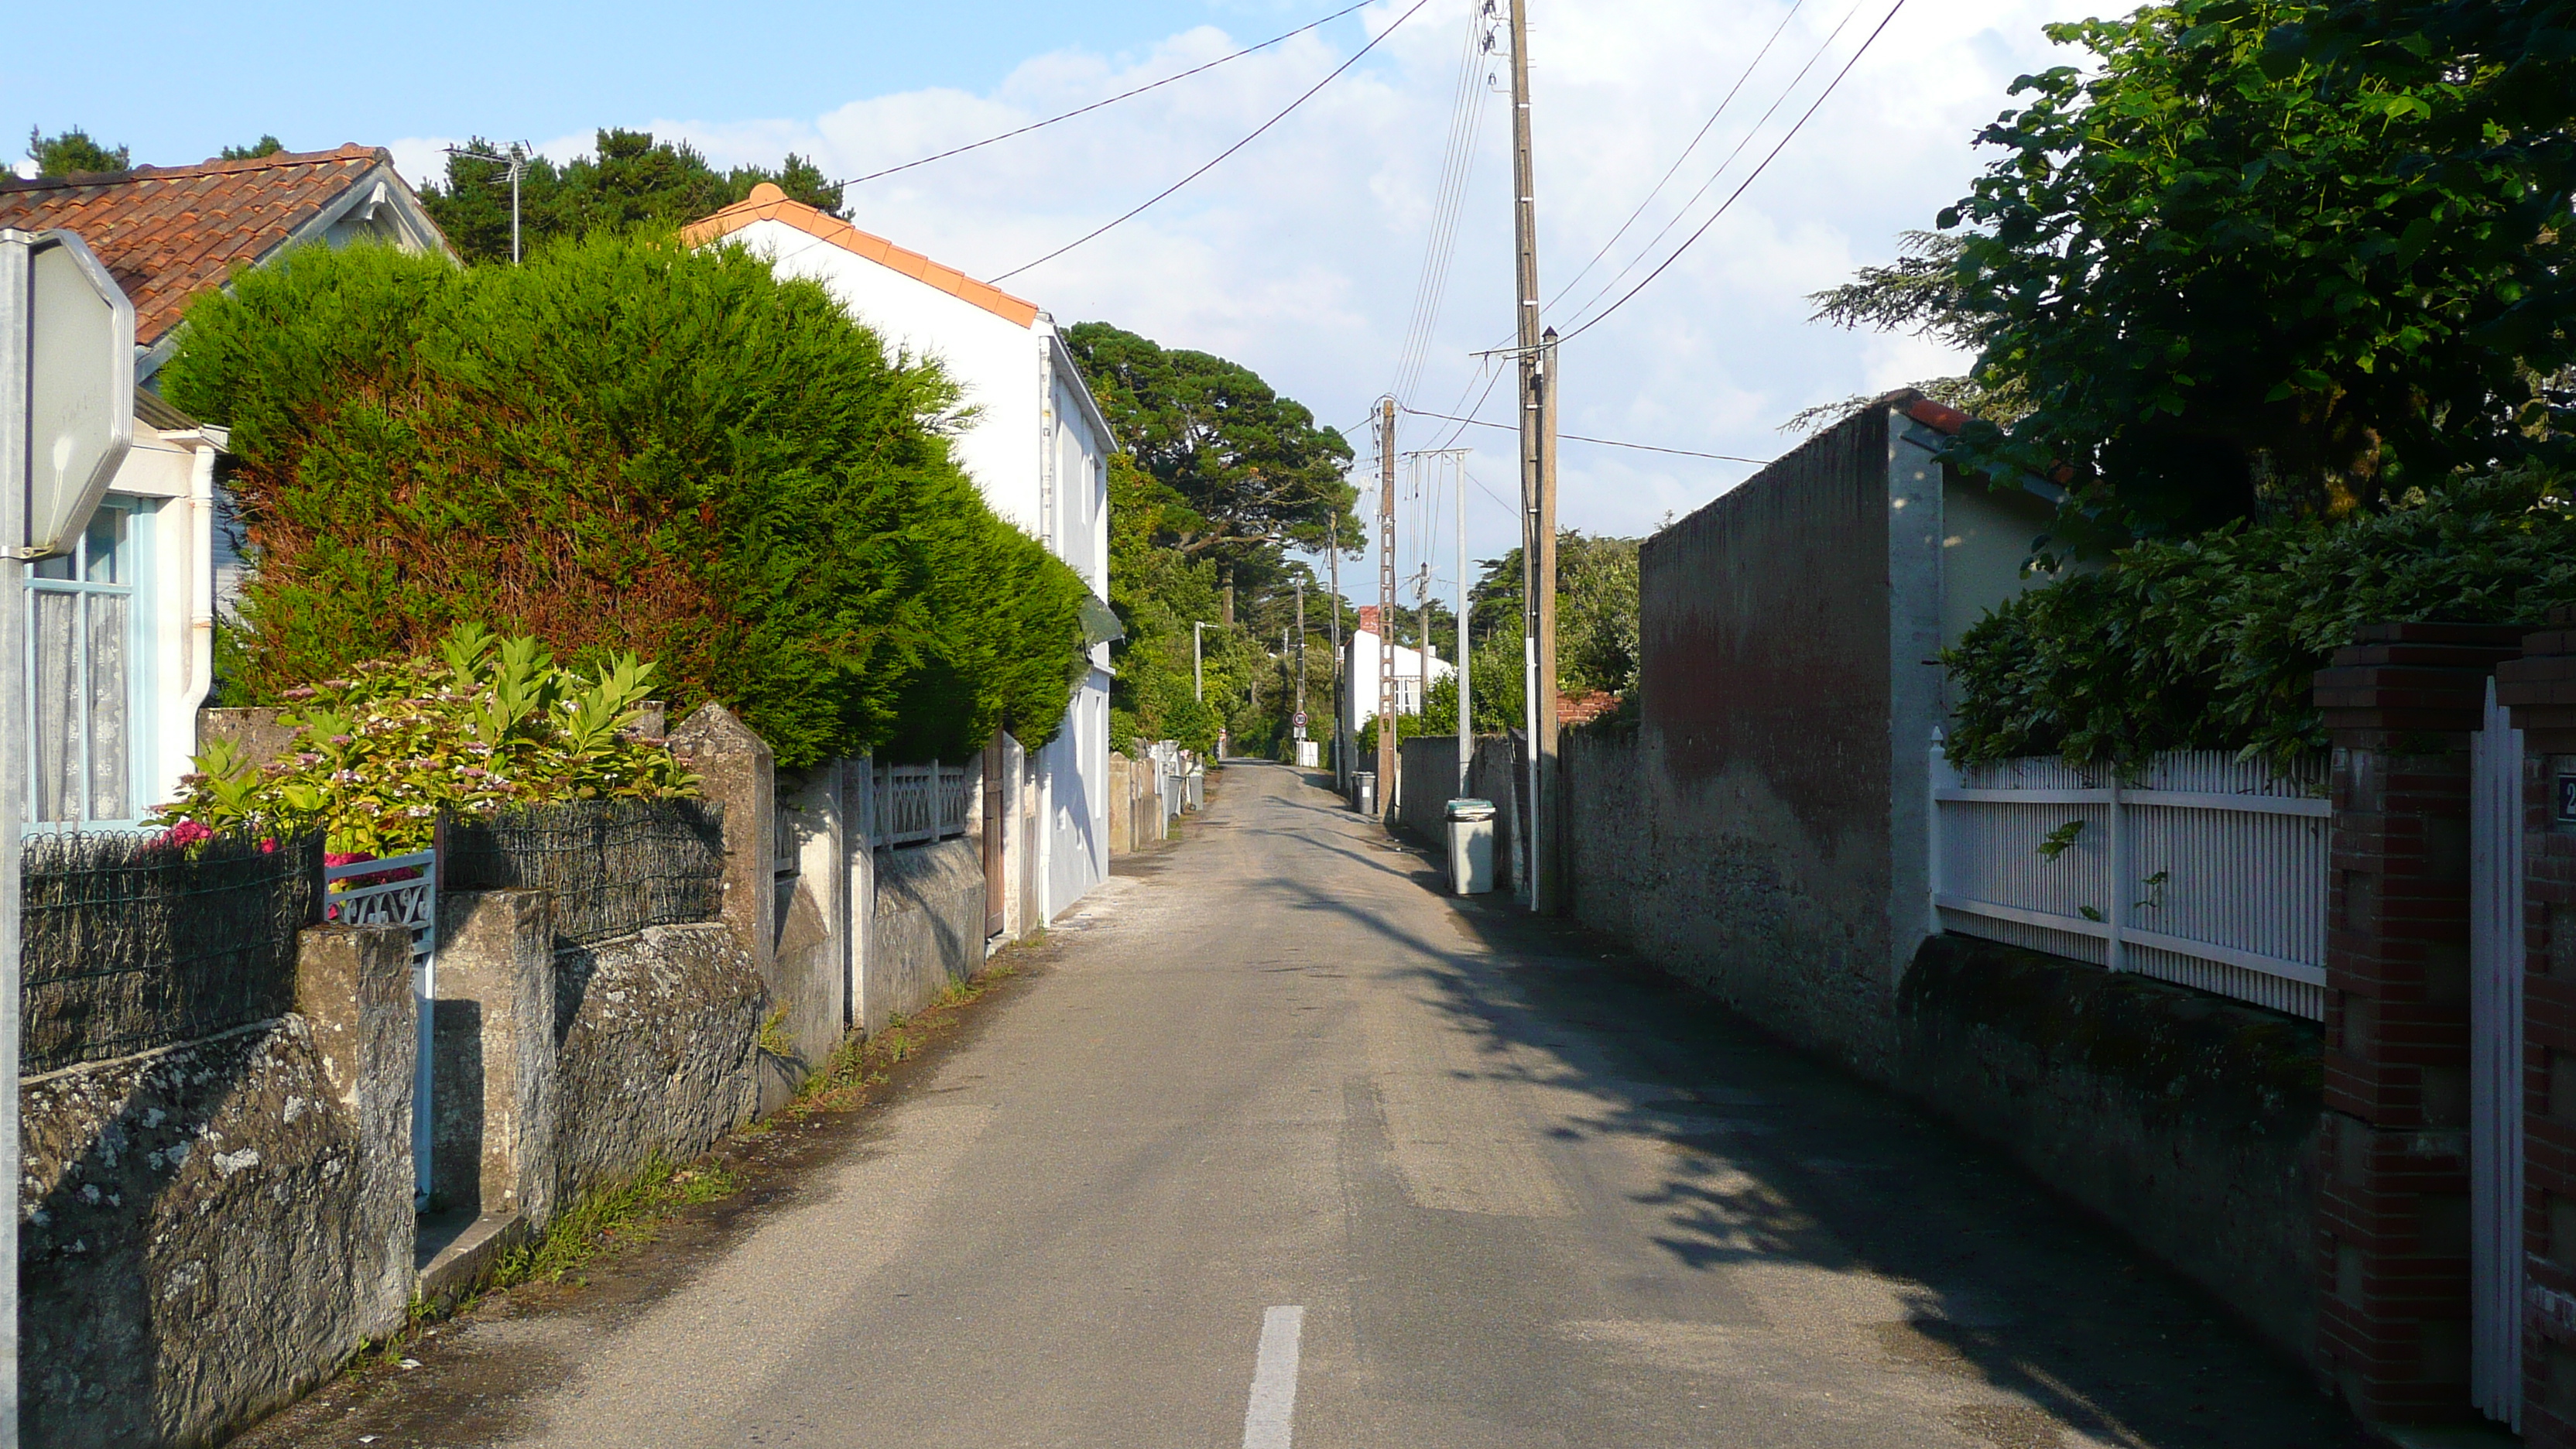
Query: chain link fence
point(613, 867)
point(130, 943)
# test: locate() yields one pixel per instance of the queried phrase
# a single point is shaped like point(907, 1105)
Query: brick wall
point(2393, 1218)
point(2540, 689)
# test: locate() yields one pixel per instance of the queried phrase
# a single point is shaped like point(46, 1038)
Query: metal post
point(1296, 713)
point(14, 402)
point(1198, 665)
point(1466, 699)
point(518, 165)
point(1341, 706)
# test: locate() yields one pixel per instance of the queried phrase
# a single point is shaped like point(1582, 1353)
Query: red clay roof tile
point(166, 233)
point(768, 203)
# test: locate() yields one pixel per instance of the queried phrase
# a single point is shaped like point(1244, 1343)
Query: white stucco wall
point(1361, 670)
point(1038, 450)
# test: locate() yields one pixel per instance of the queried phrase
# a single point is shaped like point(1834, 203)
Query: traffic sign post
point(66, 421)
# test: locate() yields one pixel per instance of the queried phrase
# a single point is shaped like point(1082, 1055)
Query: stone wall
point(929, 926)
point(209, 1229)
point(2189, 1122)
point(656, 1035)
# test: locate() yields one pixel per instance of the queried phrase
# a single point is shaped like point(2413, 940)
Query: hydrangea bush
point(485, 723)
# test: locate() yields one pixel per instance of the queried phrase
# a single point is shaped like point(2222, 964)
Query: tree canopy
point(72, 152)
point(623, 445)
point(2265, 257)
point(1248, 470)
point(628, 181)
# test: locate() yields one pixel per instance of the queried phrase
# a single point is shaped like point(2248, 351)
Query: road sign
point(1301, 719)
point(66, 420)
point(77, 335)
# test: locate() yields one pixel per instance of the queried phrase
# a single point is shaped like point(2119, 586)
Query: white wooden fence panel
point(2205, 870)
point(922, 802)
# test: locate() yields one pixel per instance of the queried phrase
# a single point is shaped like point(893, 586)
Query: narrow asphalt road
point(1287, 1148)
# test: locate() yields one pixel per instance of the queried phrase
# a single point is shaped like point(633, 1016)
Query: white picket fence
point(2205, 870)
point(922, 802)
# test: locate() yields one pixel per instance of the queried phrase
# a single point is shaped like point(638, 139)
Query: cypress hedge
point(624, 445)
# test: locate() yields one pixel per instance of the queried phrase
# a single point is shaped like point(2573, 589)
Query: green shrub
point(624, 444)
point(2212, 642)
point(376, 757)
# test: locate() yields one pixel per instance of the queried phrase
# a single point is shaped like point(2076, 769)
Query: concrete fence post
point(495, 1109)
point(353, 988)
point(2393, 1212)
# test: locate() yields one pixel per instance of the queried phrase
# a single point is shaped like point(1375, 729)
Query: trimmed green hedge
point(2211, 643)
point(624, 445)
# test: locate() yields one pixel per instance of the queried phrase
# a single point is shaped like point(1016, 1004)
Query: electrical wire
point(1213, 161)
point(1667, 262)
point(1743, 141)
point(1096, 105)
point(1466, 119)
point(1670, 171)
point(1580, 438)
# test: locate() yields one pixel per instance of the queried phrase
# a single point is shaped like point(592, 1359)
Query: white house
point(122, 626)
point(1360, 666)
point(1038, 449)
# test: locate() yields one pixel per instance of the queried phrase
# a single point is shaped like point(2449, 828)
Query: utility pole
point(1198, 664)
point(1297, 715)
point(1537, 578)
point(1386, 754)
point(1422, 657)
point(1341, 706)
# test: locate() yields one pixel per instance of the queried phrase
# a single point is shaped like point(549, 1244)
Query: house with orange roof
point(1037, 446)
point(122, 626)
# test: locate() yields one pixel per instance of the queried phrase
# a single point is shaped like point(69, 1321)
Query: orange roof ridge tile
point(767, 203)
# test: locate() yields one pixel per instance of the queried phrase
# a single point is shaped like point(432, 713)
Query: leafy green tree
point(264, 146)
point(73, 152)
point(624, 445)
point(629, 181)
point(2246, 261)
point(1250, 471)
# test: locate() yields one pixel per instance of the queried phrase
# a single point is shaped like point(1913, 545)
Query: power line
point(1096, 105)
point(1683, 211)
point(1457, 161)
point(1228, 151)
point(1748, 181)
point(1705, 127)
point(1579, 438)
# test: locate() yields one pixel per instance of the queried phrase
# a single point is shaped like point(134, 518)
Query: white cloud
point(1298, 256)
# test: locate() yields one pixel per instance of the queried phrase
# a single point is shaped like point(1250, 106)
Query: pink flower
point(340, 739)
point(185, 834)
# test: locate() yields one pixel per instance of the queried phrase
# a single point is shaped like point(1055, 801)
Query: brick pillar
point(2393, 1218)
point(2540, 689)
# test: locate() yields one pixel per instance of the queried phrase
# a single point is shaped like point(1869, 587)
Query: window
point(83, 617)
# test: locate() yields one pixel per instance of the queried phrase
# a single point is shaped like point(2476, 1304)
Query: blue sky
point(316, 75)
point(1300, 256)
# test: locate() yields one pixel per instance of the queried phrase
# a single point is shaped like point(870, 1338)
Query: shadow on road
point(1778, 1157)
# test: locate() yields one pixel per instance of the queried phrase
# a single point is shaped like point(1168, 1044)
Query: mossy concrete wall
point(2187, 1121)
point(208, 1229)
point(657, 1036)
point(929, 926)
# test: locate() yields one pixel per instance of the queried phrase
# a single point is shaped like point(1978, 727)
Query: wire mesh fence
point(130, 943)
point(613, 867)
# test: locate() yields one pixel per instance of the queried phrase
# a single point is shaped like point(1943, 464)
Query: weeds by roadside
point(862, 1063)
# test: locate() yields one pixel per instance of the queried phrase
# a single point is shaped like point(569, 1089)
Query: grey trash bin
point(1471, 846)
point(1364, 791)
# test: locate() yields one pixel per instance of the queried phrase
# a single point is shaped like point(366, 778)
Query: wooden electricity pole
point(1341, 705)
point(1538, 497)
point(1385, 604)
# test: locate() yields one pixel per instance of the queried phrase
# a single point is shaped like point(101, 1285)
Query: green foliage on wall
point(630, 181)
point(482, 724)
point(2211, 643)
point(624, 445)
point(2258, 258)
